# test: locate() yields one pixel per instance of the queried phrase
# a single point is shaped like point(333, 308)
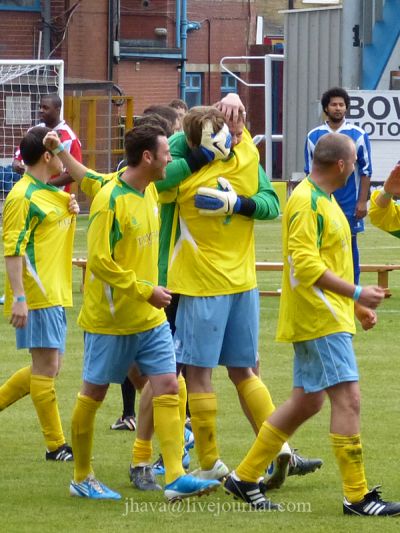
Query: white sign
point(377, 113)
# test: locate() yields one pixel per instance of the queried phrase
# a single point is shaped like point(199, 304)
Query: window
point(228, 84)
point(20, 5)
point(193, 89)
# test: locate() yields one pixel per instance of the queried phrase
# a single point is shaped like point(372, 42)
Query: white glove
point(215, 145)
point(217, 202)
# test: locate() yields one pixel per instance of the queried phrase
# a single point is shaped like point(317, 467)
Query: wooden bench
point(81, 263)
point(382, 271)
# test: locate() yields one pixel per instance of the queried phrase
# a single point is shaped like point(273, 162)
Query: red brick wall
point(224, 32)
point(19, 34)
point(138, 22)
point(87, 49)
point(150, 82)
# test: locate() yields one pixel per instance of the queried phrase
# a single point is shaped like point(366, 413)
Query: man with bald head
point(317, 315)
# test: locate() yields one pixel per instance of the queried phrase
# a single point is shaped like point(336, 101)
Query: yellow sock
point(257, 399)
point(16, 387)
point(82, 429)
point(203, 415)
point(142, 451)
point(167, 426)
point(44, 399)
point(348, 453)
point(182, 393)
point(266, 446)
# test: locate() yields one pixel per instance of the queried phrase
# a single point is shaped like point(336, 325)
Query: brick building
point(153, 50)
point(134, 43)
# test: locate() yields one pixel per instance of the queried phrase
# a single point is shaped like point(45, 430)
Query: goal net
point(22, 84)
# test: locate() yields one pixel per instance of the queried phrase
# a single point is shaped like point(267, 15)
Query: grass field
point(34, 494)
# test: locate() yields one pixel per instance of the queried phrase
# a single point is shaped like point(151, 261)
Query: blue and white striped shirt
point(347, 196)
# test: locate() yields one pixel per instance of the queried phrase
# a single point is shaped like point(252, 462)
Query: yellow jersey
point(316, 237)
point(38, 227)
point(215, 255)
point(121, 272)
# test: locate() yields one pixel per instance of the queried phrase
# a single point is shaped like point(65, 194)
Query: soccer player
point(37, 218)
point(49, 114)
point(167, 112)
point(122, 313)
point(353, 196)
point(213, 269)
point(317, 315)
point(181, 108)
point(128, 419)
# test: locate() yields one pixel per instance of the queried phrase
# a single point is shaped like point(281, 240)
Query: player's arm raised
point(55, 146)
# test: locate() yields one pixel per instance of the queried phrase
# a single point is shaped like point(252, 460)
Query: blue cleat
point(186, 460)
point(92, 489)
point(189, 439)
point(187, 485)
point(159, 469)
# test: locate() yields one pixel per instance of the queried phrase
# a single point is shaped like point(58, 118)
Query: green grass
point(34, 494)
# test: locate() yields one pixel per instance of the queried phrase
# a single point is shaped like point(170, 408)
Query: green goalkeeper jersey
point(38, 227)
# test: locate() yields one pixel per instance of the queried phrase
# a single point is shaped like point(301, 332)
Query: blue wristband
point(357, 293)
point(19, 299)
point(60, 148)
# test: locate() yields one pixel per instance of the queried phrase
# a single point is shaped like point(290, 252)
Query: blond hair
point(195, 119)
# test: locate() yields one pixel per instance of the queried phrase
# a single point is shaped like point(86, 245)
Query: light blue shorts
point(218, 330)
point(45, 328)
point(107, 358)
point(324, 362)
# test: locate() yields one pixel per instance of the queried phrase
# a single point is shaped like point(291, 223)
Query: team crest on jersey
point(135, 223)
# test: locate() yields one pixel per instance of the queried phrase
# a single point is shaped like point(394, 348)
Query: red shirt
point(71, 143)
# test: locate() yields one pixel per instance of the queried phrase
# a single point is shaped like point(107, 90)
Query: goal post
point(22, 84)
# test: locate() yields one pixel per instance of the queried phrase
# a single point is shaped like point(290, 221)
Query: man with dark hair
point(167, 112)
point(335, 92)
point(353, 196)
point(317, 315)
point(122, 313)
point(49, 114)
point(180, 107)
point(39, 218)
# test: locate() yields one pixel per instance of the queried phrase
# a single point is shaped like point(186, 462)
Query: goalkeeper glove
point(217, 202)
point(215, 145)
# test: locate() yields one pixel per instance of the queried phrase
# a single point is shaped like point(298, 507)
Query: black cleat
point(63, 453)
point(249, 493)
point(300, 466)
point(128, 423)
point(372, 505)
point(143, 478)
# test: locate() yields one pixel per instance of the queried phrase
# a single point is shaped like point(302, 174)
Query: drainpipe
point(184, 23)
point(178, 24)
point(110, 40)
point(46, 15)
